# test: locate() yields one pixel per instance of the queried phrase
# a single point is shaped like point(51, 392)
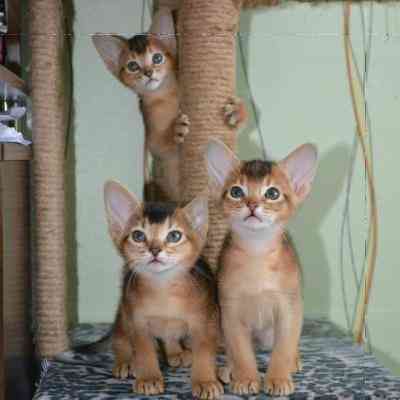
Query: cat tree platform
point(333, 368)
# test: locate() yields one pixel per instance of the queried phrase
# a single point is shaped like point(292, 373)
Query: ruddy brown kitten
point(147, 64)
point(259, 284)
point(168, 293)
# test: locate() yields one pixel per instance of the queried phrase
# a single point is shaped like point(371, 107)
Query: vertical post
point(49, 130)
point(207, 50)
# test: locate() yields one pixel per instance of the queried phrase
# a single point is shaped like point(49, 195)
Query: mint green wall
point(295, 63)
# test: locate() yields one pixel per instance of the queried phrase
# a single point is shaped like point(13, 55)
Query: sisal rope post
point(49, 131)
point(207, 36)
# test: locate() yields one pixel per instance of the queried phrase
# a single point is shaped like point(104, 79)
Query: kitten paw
point(224, 374)
point(245, 386)
point(181, 129)
point(279, 386)
point(123, 370)
point(149, 385)
point(235, 113)
point(207, 390)
point(183, 359)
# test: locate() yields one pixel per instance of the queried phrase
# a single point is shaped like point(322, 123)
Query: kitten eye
point(174, 236)
point(132, 66)
point(138, 236)
point(158, 58)
point(272, 193)
point(236, 192)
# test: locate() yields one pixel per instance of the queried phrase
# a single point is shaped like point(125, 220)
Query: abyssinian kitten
point(147, 64)
point(168, 292)
point(259, 286)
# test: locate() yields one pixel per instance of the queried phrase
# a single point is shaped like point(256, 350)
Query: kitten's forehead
point(138, 43)
point(256, 170)
point(158, 213)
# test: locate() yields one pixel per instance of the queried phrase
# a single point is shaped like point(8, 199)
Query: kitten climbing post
point(207, 45)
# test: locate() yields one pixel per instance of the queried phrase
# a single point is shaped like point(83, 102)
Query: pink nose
point(252, 206)
point(155, 251)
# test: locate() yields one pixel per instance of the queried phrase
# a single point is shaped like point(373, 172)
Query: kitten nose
point(155, 251)
point(252, 205)
point(148, 72)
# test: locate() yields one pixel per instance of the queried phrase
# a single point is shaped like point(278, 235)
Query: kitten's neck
point(257, 240)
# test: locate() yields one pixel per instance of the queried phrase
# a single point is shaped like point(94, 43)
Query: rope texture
point(207, 77)
point(49, 125)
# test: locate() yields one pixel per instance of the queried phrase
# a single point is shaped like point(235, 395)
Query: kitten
point(147, 64)
point(259, 284)
point(168, 293)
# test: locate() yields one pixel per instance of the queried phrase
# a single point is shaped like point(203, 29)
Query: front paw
point(181, 128)
point(182, 359)
point(245, 386)
point(149, 385)
point(207, 389)
point(123, 370)
point(235, 113)
point(279, 386)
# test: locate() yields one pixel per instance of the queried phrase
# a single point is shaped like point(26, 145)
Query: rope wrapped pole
point(207, 51)
point(49, 129)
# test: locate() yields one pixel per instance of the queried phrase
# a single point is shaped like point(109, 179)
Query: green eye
point(132, 66)
point(272, 193)
point(174, 236)
point(158, 58)
point(236, 192)
point(138, 236)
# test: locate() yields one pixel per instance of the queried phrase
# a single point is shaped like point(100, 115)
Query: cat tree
point(207, 32)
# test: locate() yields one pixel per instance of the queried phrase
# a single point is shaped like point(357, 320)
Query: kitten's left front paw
point(235, 113)
point(149, 385)
point(181, 128)
point(207, 389)
point(279, 386)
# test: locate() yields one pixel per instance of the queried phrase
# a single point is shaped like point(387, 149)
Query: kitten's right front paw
point(149, 385)
point(207, 390)
point(123, 370)
point(245, 386)
point(183, 359)
point(181, 128)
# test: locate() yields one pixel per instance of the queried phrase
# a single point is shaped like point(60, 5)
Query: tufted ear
point(110, 48)
point(301, 167)
point(197, 215)
point(221, 162)
point(163, 27)
point(120, 206)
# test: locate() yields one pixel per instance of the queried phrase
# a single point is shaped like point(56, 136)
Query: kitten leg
point(278, 380)
point(181, 127)
point(177, 356)
point(149, 379)
point(205, 384)
point(123, 352)
point(235, 113)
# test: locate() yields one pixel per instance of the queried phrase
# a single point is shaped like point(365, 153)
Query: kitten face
point(155, 238)
point(146, 65)
point(261, 194)
point(257, 195)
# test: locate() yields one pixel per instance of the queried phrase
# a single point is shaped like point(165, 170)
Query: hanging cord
point(358, 103)
point(252, 101)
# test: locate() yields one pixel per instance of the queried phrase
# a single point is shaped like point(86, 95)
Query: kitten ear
point(120, 205)
point(197, 215)
point(221, 161)
point(110, 48)
point(301, 167)
point(163, 27)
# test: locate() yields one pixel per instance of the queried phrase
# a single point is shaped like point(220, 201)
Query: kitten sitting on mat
point(147, 64)
point(168, 292)
point(258, 279)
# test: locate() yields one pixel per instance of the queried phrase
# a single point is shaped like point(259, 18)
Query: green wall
point(295, 64)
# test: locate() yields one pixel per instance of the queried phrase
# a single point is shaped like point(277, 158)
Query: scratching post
point(207, 76)
point(49, 126)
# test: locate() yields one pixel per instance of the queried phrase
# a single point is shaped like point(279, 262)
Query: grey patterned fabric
point(333, 369)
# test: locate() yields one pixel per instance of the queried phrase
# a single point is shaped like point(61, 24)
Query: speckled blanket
point(333, 368)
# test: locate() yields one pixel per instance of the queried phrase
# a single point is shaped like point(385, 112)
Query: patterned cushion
point(333, 368)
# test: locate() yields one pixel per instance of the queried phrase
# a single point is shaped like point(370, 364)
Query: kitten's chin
point(152, 85)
